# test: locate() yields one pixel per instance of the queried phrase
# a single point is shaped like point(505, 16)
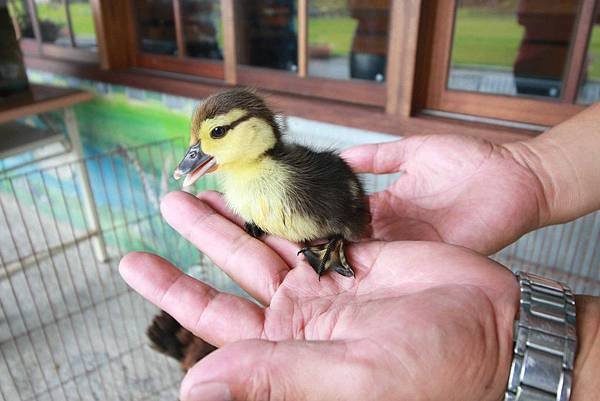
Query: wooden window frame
point(399, 106)
point(35, 46)
point(397, 118)
point(354, 91)
point(212, 69)
point(436, 38)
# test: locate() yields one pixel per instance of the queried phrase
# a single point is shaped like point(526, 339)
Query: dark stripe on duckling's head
point(239, 98)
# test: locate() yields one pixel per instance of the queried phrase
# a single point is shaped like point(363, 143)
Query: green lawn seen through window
point(491, 38)
point(81, 16)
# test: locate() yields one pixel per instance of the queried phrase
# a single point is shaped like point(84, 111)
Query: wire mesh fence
point(566, 252)
point(70, 329)
point(69, 326)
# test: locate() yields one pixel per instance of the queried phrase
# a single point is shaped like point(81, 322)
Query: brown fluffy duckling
point(282, 189)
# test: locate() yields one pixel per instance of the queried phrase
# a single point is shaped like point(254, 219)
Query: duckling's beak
point(194, 165)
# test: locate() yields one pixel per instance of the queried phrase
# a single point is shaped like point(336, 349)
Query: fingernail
point(210, 391)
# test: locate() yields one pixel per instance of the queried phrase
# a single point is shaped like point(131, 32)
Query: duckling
point(168, 337)
point(278, 188)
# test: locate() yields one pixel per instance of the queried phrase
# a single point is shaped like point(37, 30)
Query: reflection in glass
point(21, 19)
point(348, 39)
point(512, 48)
point(156, 26)
point(266, 31)
point(83, 24)
point(52, 18)
point(202, 28)
point(590, 82)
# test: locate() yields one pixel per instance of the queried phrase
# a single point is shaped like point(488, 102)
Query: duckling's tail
point(168, 337)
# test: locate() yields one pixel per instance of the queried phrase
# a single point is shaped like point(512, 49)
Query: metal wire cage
point(569, 253)
point(71, 329)
point(69, 326)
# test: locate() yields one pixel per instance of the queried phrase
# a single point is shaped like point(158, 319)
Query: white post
point(91, 214)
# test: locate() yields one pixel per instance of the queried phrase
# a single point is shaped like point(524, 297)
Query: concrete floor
point(71, 337)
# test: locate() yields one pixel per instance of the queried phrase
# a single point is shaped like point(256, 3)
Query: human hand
point(420, 320)
point(459, 190)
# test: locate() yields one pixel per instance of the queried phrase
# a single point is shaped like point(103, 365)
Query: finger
point(216, 317)
point(249, 262)
point(376, 158)
point(256, 370)
point(216, 201)
point(287, 250)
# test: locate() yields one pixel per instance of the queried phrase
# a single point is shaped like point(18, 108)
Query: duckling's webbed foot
point(253, 230)
point(329, 255)
point(340, 264)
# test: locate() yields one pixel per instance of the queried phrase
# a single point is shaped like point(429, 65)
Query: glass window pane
point(267, 34)
point(156, 26)
point(202, 28)
point(590, 86)
point(20, 15)
point(517, 48)
point(83, 24)
point(52, 18)
point(348, 39)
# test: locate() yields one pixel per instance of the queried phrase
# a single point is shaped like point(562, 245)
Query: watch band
point(544, 342)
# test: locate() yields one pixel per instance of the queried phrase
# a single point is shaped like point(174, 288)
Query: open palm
point(421, 320)
point(456, 189)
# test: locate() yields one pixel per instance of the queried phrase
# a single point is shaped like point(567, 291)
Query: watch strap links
point(544, 341)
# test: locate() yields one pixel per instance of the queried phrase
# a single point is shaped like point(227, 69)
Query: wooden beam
point(303, 38)
point(181, 53)
point(114, 23)
point(510, 108)
point(439, 25)
point(579, 49)
point(229, 41)
point(192, 66)
point(335, 112)
point(40, 99)
point(402, 56)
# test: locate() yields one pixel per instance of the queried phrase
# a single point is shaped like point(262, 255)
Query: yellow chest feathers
point(260, 194)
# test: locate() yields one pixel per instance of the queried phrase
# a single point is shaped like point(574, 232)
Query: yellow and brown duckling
point(287, 190)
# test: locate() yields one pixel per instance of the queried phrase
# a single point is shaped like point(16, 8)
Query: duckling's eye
point(218, 132)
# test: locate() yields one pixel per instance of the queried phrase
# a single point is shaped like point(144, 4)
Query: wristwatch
point(544, 341)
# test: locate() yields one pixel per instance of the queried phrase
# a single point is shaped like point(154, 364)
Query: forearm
point(566, 159)
point(587, 360)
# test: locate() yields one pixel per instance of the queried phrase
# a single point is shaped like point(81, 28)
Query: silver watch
point(544, 342)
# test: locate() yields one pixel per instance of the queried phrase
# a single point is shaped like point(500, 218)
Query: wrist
point(587, 359)
point(528, 155)
point(565, 162)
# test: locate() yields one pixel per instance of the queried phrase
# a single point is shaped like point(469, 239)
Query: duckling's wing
point(326, 190)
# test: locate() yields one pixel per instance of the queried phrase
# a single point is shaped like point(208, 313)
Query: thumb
point(257, 370)
point(376, 158)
